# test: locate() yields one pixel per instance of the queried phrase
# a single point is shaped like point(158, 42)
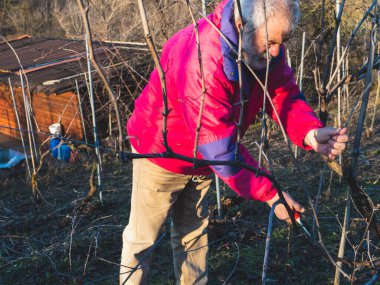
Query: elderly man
point(170, 187)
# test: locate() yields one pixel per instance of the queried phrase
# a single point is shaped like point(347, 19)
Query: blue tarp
point(15, 158)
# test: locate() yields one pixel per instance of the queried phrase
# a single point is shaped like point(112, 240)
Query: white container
point(55, 130)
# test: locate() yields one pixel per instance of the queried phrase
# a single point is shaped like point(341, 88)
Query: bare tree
point(68, 17)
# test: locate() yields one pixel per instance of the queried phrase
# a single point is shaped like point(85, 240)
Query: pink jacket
point(218, 131)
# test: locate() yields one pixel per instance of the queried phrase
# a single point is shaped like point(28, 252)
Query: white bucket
point(55, 130)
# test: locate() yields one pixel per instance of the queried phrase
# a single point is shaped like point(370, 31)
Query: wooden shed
point(44, 73)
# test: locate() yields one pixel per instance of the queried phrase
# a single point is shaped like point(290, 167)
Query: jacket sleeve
point(217, 134)
point(295, 114)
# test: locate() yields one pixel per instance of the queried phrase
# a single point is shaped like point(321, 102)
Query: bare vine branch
point(111, 94)
point(153, 50)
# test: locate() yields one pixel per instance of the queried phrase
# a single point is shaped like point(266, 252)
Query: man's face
point(254, 47)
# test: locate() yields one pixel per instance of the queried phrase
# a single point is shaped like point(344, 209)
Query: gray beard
point(255, 61)
point(250, 54)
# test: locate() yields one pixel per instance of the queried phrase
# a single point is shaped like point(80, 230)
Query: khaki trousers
point(156, 194)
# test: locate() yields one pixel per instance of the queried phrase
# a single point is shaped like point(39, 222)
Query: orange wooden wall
point(46, 110)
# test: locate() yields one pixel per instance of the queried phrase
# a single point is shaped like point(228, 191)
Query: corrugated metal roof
point(16, 43)
point(40, 51)
point(51, 59)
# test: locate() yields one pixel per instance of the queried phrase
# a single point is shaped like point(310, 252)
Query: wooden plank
point(46, 109)
point(56, 99)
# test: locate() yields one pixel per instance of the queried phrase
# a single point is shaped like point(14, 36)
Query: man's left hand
point(280, 209)
point(328, 140)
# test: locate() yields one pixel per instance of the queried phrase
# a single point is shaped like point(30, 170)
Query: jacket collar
point(228, 29)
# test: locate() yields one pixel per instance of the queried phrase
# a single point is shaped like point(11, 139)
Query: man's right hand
point(328, 140)
point(281, 211)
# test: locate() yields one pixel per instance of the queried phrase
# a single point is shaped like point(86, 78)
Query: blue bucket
point(62, 152)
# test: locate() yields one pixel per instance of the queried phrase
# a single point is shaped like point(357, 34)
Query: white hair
point(253, 11)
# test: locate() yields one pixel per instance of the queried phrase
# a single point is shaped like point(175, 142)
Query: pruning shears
point(297, 218)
